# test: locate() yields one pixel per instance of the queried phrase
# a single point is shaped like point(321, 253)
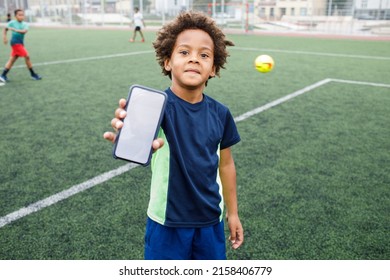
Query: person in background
point(138, 25)
point(19, 29)
point(2, 81)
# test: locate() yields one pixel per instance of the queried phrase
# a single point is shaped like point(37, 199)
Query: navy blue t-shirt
point(185, 189)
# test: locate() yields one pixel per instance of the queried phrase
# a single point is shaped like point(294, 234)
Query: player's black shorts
point(138, 28)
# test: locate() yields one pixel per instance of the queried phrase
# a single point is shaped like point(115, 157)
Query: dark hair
point(166, 38)
point(17, 11)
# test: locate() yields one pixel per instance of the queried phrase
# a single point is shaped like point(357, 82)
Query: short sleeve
point(230, 134)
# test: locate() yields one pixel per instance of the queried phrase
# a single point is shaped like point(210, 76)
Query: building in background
point(361, 9)
point(372, 9)
point(276, 9)
point(224, 11)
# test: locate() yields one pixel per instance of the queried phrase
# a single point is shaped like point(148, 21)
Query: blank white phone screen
point(144, 110)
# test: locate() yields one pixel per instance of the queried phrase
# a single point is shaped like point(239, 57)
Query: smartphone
point(145, 109)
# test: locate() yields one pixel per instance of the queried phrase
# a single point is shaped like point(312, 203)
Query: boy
point(185, 213)
point(138, 23)
point(19, 28)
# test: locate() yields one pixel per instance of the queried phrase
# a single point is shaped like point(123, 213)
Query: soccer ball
point(264, 63)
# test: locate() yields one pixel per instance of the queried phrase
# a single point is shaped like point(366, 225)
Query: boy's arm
point(21, 31)
point(227, 172)
point(5, 40)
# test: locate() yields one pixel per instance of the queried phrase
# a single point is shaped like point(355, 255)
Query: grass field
point(313, 172)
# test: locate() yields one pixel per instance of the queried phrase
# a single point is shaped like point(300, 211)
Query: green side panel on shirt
point(221, 204)
point(159, 183)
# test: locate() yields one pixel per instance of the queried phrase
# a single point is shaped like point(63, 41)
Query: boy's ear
point(212, 73)
point(167, 65)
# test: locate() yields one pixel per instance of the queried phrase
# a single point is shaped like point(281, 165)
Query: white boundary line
point(314, 53)
point(299, 92)
point(280, 100)
point(235, 48)
point(64, 194)
point(87, 58)
point(360, 83)
point(37, 206)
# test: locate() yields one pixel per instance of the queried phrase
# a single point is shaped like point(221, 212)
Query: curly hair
point(166, 38)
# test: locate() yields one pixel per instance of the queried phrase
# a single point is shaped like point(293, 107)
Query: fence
point(240, 16)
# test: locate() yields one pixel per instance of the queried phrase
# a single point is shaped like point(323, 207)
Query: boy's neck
point(191, 96)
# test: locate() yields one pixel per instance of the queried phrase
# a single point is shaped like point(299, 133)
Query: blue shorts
point(169, 243)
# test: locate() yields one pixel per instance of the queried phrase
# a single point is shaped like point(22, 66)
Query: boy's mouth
point(193, 71)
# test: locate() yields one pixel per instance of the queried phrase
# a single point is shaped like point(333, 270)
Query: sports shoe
point(3, 78)
point(143, 40)
point(2, 84)
point(36, 77)
point(131, 40)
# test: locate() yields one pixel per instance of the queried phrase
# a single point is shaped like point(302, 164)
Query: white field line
point(343, 55)
point(64, 194)
point(235, 48)
point(87, 58)
point(299, 92)
point(37, 206)
point(361, 83)
point(280, 100)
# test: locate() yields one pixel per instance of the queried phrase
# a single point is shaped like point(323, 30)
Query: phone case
point(122, 150)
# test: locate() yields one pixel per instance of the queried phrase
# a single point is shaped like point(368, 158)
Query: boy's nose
point(194, 58)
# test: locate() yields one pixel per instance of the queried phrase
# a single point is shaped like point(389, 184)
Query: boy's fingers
point(236, 235)
point(110, 136)
point(237, 244)
point(122, 103)
point(237, 239)
point(120, 113)
point(116, 124)
point(157, 143)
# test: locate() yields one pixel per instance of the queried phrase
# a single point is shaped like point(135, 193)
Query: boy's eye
point(204, 55)
point(184, 52)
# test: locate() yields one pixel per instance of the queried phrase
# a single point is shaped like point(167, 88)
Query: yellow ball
point(264, 63)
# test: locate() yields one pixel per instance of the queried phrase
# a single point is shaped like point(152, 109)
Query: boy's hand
point(236, 231)
point(117, 124)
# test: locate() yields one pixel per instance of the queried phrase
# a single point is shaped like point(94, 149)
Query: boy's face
point(192, 60)
point(19, 16)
